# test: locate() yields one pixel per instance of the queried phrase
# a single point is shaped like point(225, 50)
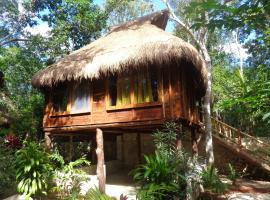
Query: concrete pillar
point(130, 141)
point(119, 147)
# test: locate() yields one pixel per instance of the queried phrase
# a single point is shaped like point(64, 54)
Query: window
point(112, 90)
point(145, 87)
point(81, 98)
point(60, 98)
point(142, 84)
point(71, 100)
point(119, 91)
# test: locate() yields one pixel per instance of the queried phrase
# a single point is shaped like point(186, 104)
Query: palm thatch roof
point(132, 44)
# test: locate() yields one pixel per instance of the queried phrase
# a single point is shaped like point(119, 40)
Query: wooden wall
point(178, 96)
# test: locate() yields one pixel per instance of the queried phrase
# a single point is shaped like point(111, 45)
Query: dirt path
point(248, 190)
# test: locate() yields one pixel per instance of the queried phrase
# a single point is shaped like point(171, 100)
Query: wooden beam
point(100, 161)
point(110, 126)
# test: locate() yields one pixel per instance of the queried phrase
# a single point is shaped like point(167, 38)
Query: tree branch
point(183, 25)
point(13, 40)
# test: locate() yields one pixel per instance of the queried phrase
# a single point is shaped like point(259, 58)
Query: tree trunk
point(207, 112)
point(100, 161)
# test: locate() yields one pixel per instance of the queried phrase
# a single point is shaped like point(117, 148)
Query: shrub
point(94, 193)
point(163, 176)
point(7, 170)
point(232, 173)
point(33, 169)
point(210, 180)
point(12, 141)
point(155, 178)
point(68, 178)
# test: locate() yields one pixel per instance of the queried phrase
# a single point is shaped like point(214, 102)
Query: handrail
point(233, 135)
point(239, 133)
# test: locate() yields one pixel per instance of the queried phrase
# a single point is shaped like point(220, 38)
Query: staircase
point(244, 145)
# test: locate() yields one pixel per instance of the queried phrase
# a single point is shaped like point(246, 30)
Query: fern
point(94, 193)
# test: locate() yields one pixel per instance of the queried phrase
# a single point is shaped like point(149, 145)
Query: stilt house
point(127, 84)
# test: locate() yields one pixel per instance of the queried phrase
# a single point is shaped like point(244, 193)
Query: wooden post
point(179, 139)
point(48, 141)
point(194, 142)
point(100, 161)
point(179, 144)
point(239, 137)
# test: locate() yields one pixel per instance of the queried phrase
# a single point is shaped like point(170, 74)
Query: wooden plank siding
point(177, 99)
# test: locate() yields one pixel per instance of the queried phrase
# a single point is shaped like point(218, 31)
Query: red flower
point(12, 141)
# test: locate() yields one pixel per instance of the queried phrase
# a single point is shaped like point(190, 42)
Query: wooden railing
point(242, 140)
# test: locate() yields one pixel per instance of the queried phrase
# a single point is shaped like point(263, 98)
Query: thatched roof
point(132, 44)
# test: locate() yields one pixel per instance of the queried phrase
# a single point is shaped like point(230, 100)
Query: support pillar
point(194, 142)
point(70, 150)
point(48, 141)
point(119, 147)
point(139, 148)
point(100, 161)
point(179, 139)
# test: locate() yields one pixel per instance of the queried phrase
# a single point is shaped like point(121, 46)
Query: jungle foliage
point(164, 174)
point(71, 24)
point(240, 82)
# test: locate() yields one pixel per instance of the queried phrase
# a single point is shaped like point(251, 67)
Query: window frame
point(132, 95)
point(72, 87)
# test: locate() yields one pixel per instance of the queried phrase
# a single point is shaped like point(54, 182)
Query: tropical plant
point(33, 169)
point(210, 180)
point(7, 169)
point(163, 176)
point(94, 193)
point(68, 178)
point(232, 173)
point(155, 178)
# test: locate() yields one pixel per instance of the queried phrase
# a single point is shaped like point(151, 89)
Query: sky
point(158, 5)
point(232, 47)
point(43, 28)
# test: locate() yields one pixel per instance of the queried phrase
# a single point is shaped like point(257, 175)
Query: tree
point(72, 25)
point(251, 20)
point(19, 64)
point(200, 41)
point(125, 10)
point(14, 17)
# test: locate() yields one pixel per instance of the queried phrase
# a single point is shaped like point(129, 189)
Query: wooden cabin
point(127, 83)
